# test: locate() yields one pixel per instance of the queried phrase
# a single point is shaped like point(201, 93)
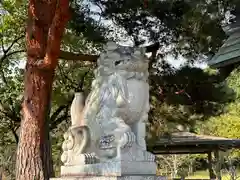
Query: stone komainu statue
point(112, 119)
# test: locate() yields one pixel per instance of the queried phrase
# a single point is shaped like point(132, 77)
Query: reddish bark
point(46, 24)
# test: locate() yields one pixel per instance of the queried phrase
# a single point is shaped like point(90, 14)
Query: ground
point(205, 175)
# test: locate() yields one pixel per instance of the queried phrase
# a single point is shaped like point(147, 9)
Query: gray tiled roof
point(187, 137)
point(186, 142)
point(229, 53)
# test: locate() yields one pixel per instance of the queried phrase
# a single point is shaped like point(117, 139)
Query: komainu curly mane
point(107, 106)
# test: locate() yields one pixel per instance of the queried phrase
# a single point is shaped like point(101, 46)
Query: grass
point(205, 175)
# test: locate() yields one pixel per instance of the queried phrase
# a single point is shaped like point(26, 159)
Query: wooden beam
point(65, 55)
point(77, 57)
point(181, 149)
point(178, 152)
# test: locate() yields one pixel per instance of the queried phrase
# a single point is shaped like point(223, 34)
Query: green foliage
point(174, 165)
point(185, 97)
point(83, 24)
point(13, 18)
point(190, 27)
point(11, 80)
point(227, 124)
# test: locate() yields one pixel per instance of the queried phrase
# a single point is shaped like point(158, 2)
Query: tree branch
point(93, 58)
point(65, 77)
point(8, 113)
point(9, 54)
point(81, 82)
point(14, 41)
point(153, 47)
point(57, 112)
point(54, 124)
point(77, 57)
point(14, 52)
point(3, 76)
point(57, 26)
point(72, 56)
point(2, 44)
point(13, 126)
point(1, 62)
point(10, 116)
point(14, 132)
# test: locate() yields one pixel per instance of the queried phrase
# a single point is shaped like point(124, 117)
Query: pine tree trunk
point(33, 158)
point(46, 23)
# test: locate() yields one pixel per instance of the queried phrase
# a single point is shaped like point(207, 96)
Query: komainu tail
point(77, 141)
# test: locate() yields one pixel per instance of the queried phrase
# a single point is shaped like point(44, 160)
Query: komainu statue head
point(117, 58)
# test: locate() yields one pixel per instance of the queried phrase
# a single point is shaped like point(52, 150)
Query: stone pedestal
point(110, 169)
point(133, 177)
point(135, 164)
point(134, 160)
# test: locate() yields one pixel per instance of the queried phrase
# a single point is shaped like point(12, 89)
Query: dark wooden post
point(210, 166)
point(218, 165)
point(1, 174)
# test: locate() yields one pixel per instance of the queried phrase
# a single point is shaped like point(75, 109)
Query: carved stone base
point(131, 161)
point(133, 177)
point(110, 169)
